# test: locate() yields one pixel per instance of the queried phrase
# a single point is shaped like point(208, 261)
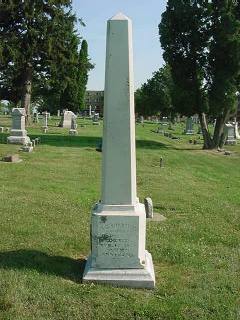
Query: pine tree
point(84, 66)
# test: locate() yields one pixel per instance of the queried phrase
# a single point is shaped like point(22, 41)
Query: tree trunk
point(218, 136)
point(27, 91)
point(208, 143)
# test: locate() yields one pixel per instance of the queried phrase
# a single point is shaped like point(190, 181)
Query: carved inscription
point(117, 239)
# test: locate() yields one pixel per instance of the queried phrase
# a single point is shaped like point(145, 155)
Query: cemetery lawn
point(45, 206)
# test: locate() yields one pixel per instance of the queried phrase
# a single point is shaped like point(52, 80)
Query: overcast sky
point(145, 15)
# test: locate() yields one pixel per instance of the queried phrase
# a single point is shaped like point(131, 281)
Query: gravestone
point(45, 120)
point(118, 226)
point(18, 132)
point(148, 207)
point(58, 113)
point(66, 120)
point(236, 130)
point(90, 111)
point(229, 132)
point(14, 158)
point(73, 130)
point(95, 119)
point(189, 126)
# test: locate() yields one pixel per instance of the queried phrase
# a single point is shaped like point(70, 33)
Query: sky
point(145, 15)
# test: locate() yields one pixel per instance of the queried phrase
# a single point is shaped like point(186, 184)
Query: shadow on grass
point(68, 141)
point(85, 141)
point(92, 142)
point(63, 267)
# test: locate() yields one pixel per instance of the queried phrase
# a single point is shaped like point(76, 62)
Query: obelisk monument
point(118, 226)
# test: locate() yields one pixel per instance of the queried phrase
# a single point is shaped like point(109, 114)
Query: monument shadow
point(64, 267)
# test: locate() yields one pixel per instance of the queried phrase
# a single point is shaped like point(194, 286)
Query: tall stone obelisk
point(118, 227)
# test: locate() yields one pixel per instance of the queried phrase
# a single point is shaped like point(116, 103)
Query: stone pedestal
point(18, 132)
point(118, 227)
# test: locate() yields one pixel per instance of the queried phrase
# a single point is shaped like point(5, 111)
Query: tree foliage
point(201, 43)
point(38, 51)
point(154, 96)
point(84, 66)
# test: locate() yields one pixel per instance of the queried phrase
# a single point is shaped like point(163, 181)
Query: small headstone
point(148, 207)
point(45, 119)
point(227, 153)
point(96, 119)
point(11, 158)
point(27, 148)
point(66, 120)
point(1, 129)
point(58, 113)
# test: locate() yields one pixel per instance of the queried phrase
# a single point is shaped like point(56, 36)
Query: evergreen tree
point(84, 66)
point(34, 46)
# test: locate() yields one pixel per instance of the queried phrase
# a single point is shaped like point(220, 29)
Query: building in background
point(95, 99)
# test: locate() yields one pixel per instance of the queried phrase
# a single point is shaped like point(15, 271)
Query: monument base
point(131, 278)
point(18, 139)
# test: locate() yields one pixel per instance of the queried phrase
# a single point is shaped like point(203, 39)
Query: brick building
point(95, 99)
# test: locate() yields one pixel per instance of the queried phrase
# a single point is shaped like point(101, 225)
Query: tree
point(84, 66)
point(35, 44)
point(154, 96)
point(201, 44)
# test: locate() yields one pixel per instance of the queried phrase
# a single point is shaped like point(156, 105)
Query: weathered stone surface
point(148, 207)
point(118, 227)
point(132, 278)
point(66, 120)
point(11, 158)
point(230, 134)
point(18, 132)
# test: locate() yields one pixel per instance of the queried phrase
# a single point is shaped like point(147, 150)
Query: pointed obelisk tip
point(120, 16)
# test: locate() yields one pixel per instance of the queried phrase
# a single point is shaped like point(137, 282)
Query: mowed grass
point(45, 207)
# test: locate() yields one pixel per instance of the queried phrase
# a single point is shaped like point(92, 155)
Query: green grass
point(45, 206)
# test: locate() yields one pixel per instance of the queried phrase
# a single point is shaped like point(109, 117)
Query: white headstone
point(58, 113)
point(66, 120)
point(18, 132)
point(45, 119)
point(230, 134)
point(236, 130)
point(118, 225)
